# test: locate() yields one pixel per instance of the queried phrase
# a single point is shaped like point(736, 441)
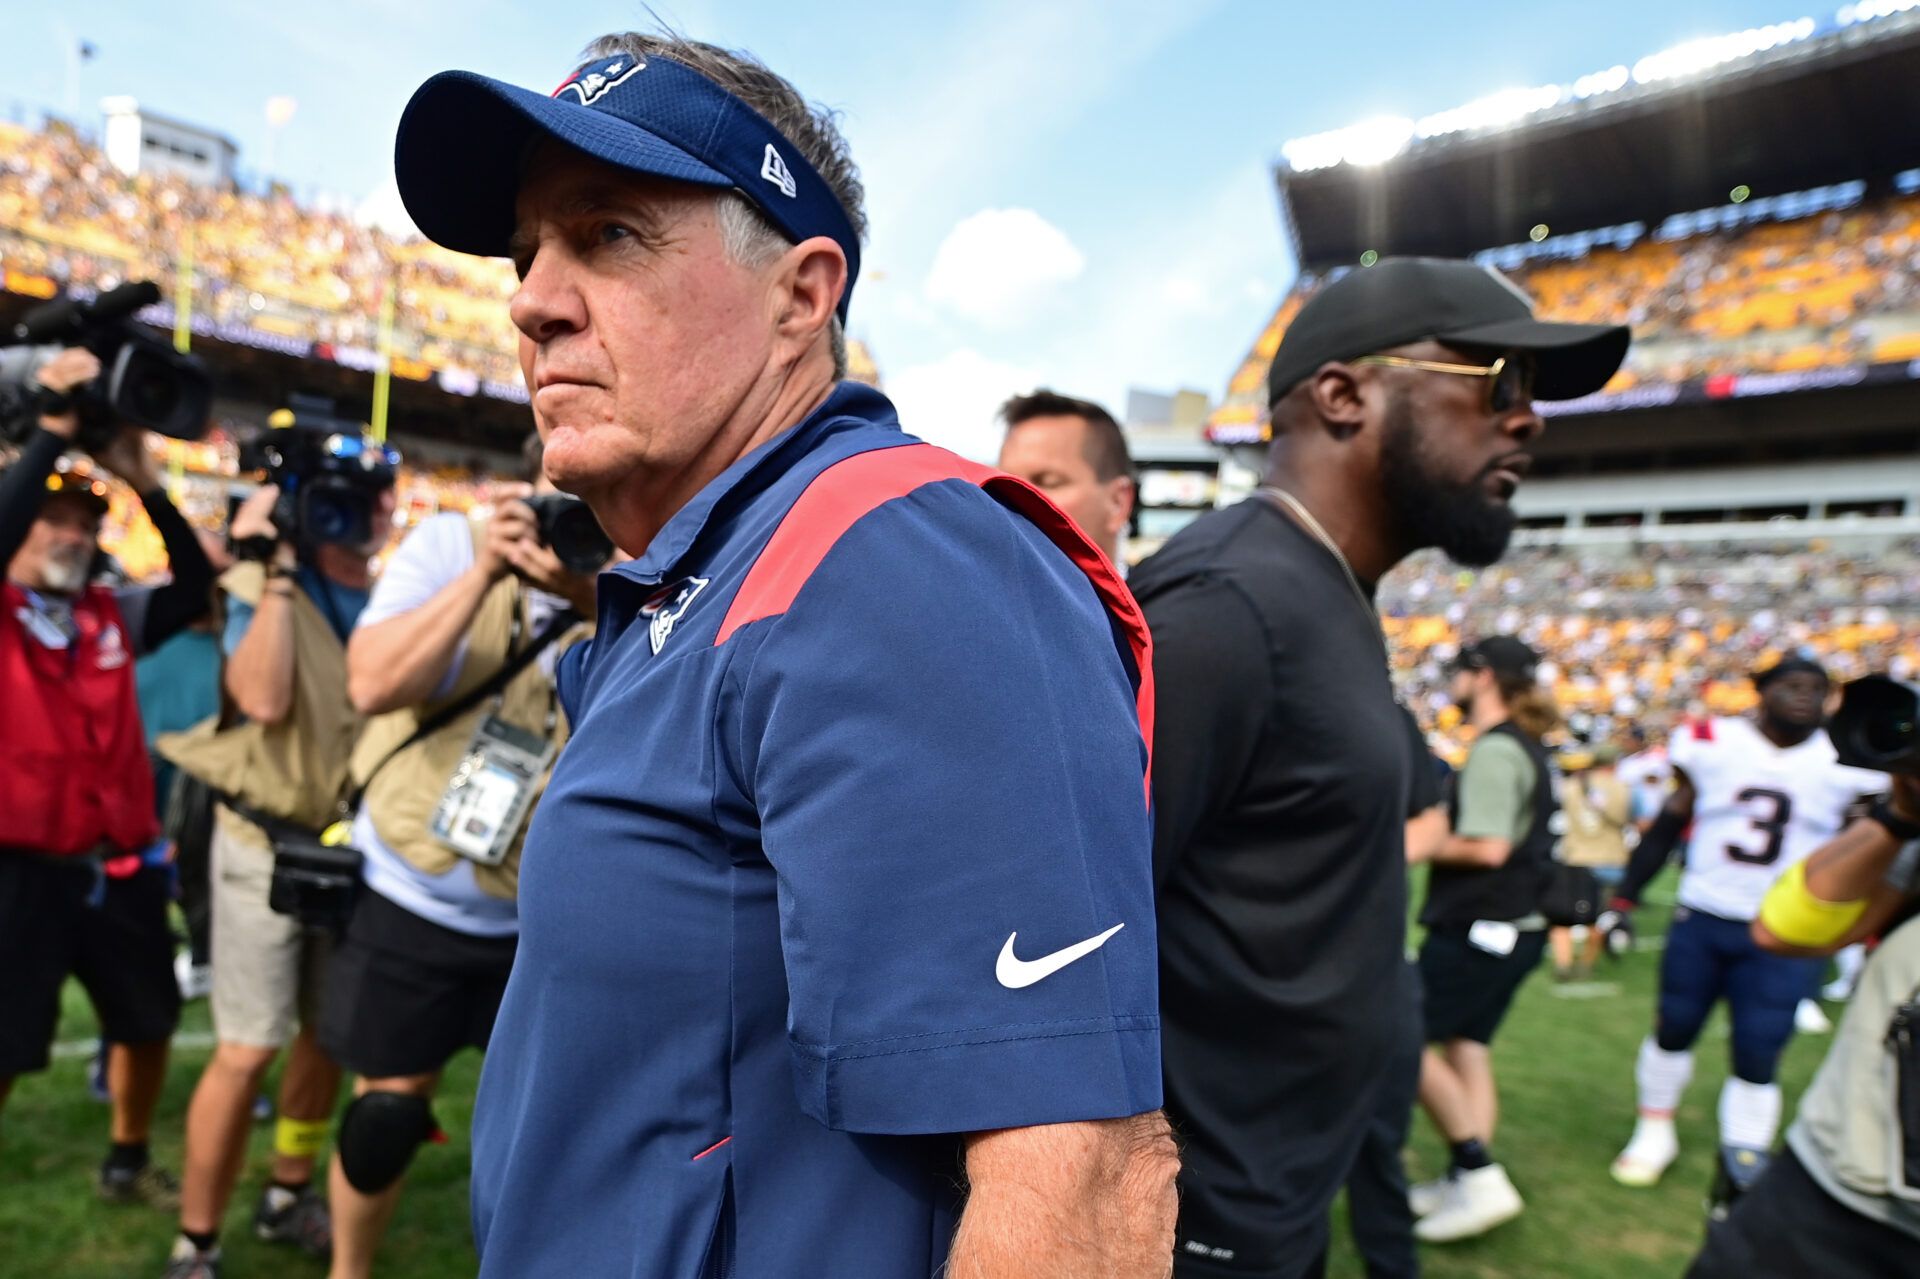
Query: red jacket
point(73, 761)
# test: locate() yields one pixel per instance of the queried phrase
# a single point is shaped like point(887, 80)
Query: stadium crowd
point(1651, 636)
point(755, 641)
point(260, 259)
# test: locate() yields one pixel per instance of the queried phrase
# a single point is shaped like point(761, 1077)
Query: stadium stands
point(1839, 288)
point(263, 265)
point(1665, 632)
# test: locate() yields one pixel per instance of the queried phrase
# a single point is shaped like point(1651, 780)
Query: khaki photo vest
point(295, 770)
point(406, 790)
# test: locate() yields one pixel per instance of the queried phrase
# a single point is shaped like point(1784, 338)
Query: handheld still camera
point(569, 529)
point(1878, 725)
point(143, 381)
point(330, 475)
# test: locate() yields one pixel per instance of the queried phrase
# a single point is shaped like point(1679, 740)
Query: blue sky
point(1062, 191)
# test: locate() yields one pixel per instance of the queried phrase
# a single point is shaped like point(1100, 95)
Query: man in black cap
point(1754, 797)
point(1401, 408)
point(1485, 932)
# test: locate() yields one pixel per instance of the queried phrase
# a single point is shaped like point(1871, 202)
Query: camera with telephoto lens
point(1878, 725)
point(329, 472)
point(568, 527)
point(143, 381)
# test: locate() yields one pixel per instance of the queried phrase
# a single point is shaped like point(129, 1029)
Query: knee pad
point(379, 1132)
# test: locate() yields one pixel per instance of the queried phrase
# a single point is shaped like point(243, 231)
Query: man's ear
point(809, 280)
point(1335, 390)
point(1123, 492)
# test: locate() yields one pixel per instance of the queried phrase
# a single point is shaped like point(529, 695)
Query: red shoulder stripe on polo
point(839, 496)
point(1703, 730)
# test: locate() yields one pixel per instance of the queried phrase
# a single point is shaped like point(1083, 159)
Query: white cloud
point(952, 400)
point(997, 265)
point(384, 209)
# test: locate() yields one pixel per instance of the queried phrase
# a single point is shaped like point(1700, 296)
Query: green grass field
point(1566, 1072)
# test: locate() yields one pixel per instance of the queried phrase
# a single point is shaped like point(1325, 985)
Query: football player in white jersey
point(1760, 795)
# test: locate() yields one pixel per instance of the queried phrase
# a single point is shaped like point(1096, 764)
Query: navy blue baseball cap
point(464, 138)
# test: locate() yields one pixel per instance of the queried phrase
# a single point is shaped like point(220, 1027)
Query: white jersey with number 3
point(1758, 808)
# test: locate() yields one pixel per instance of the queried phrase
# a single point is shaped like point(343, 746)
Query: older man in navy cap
point(837, 950)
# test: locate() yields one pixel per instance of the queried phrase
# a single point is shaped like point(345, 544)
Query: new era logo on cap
point(775, 170)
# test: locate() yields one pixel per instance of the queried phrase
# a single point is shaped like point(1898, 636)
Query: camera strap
point(556, 626)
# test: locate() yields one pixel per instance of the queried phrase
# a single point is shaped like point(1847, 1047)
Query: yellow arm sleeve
point(1798, 918)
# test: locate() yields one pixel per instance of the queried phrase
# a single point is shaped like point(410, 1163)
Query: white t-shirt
point(1758, 808)
point(431, 558)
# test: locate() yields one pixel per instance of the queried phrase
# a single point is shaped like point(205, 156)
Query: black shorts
point(404, 994)
point(59, 920)
point(1465, 991)
point(1787, 1227)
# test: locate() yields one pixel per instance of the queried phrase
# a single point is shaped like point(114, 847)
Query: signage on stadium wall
point(1737, 386)
point(1706, 390)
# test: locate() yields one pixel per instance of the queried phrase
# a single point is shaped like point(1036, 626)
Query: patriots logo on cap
point(589, 85)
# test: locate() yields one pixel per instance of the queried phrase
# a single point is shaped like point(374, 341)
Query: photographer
point(278, 760)
point(1843, 1198)
point(453, 660)
point(83, 885)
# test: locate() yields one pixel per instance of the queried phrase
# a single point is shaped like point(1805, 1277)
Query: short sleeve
point(427, 561)
point(1495, 786)
point(1213, 676)
point(941, 741)
point(438, 550)
point(1684, 749)
point(1423, 789)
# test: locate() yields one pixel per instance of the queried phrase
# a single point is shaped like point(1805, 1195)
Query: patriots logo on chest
point(664, 609)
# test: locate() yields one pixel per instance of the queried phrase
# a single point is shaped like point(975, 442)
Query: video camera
point(568, 526)
point(143, 381)
point(329, 472)
point(1878, 725)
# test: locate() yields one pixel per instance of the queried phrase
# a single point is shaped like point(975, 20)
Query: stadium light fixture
point(1370, 142)
point(1695, 56)
point(1380, 139)
point(1492, 111)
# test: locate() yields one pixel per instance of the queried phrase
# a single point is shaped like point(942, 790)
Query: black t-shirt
point(1281, 784)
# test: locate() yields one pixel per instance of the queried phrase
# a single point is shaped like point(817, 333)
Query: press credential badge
point(487, 797)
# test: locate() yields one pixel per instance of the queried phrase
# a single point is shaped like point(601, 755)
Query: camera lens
point(148, 393)
point(1889, 733)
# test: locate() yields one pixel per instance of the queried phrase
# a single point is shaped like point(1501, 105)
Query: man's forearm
point(401, 661)
point(1482, 851)
point(1091, 1200)
point(24, 487)
point(1853, 863)
point(189, 596)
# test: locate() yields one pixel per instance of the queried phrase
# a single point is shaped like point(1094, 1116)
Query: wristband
point(1897, 826)
point(1792, 913)
point(51, 403)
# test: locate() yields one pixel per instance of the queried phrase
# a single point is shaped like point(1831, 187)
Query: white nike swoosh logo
point(1015, 973)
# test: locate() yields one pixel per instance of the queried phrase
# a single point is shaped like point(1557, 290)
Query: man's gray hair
point(750, 238)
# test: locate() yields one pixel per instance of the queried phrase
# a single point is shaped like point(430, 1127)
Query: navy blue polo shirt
point(849, 853)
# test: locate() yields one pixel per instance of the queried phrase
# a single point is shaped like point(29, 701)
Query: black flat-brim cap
point(1402, 300)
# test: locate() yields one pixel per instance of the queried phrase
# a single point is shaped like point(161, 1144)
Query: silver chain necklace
point(1281, 497)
